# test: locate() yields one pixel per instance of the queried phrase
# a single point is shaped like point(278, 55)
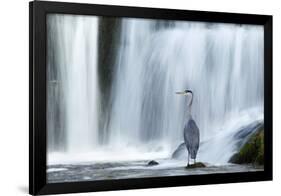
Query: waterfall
point(221, 63)
point(73, 92)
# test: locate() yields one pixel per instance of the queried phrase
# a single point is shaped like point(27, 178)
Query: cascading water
point(73, 92)
point(221, 63)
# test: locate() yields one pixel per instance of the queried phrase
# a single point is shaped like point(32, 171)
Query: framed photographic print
point(127, 97)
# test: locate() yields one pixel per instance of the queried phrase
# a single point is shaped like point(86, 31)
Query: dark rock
point(252, 151)
point(234, 158)
point(152, 163)
point(196, 165)
point(243, 135)
point(109, 36)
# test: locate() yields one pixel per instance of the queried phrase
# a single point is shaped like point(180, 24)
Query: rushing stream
point(144, 120)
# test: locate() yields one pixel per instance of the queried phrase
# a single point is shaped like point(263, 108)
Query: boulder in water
point(243, 135)
point(252, 151)
point(152, 163)
point(196, 165)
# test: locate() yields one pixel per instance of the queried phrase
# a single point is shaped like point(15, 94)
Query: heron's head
point(187, 93)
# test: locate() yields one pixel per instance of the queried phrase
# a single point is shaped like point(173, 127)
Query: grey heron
point(191, 131)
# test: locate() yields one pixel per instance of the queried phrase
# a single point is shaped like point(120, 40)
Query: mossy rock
point(252, 152)
point(196, 165)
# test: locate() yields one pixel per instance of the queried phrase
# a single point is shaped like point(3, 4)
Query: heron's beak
point(181, 93)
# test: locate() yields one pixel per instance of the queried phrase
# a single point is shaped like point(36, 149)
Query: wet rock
point(180, 153)
point(152, 163)
point(252, 151)
point(243, 135)
point(196, 165)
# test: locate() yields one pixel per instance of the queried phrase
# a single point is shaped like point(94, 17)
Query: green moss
point(252, 151)
point(260, 157)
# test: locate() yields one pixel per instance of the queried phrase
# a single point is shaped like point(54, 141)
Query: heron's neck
point(189, 106)
point(189, 112)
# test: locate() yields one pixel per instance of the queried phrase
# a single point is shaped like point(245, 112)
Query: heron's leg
point(188, 160)
point(195, 161)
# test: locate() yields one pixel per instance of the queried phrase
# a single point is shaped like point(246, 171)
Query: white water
point(221, 63)
point(74, 42)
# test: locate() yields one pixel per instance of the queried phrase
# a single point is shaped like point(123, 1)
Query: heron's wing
point(192, 135)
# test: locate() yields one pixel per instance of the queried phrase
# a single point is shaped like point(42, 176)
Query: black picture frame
point(37, 97)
